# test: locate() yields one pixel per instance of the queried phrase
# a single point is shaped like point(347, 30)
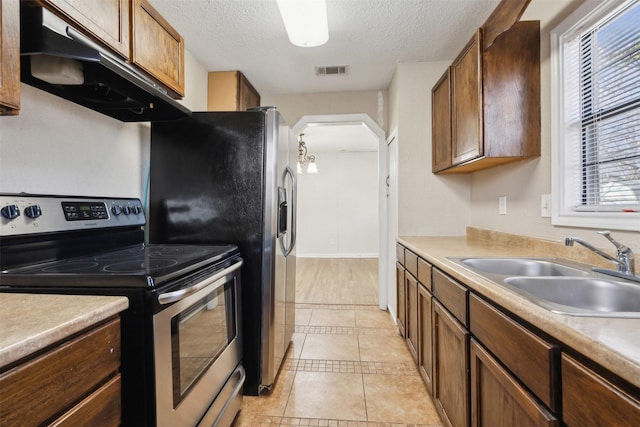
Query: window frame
point(562, 213)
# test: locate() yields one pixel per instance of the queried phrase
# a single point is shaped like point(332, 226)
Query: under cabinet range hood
point(58, 59)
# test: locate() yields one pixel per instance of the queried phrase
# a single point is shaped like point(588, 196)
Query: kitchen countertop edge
point(32, 322)
point(612, 343)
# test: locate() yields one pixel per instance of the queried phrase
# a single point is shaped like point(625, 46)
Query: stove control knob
point(116, 209)
point(137, 210)
point(33, 211)
point(126, 210)
point(10, 211)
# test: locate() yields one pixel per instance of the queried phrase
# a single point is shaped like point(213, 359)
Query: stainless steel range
point(181, 343)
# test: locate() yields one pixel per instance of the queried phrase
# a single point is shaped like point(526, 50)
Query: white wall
point(57, 147)
point(428, 204)
point(338, 206)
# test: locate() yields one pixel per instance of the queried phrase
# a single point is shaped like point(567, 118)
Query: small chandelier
point(304, 159)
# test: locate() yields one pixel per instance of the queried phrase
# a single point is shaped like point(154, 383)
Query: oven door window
point(199, 334)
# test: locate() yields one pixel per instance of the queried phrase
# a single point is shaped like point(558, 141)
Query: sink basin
point(589, 296)
point(521, 267)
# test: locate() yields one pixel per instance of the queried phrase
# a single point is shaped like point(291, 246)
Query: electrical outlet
point(545, 206)
point(502, 205)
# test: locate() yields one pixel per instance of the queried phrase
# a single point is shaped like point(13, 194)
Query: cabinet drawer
point(102, 408)
point(531, 359)
point(497, 399)
point(400, 253)
point(590, 400)
point(451, 294)
point(424, 273)
point(411, 262)
point(35, 391)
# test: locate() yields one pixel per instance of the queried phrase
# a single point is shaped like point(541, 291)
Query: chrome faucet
point(625, 260)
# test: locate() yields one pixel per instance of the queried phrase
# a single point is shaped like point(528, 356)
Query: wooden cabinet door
point(467, 111)
point(248, 96)
point(590, 400)
point(106, 20)
point(425, 344)
point(9, 57)
point(156, 47)
point(498, 400)
point(441, 123)
point(411, 326)
point(450, 367)
point(400, 298)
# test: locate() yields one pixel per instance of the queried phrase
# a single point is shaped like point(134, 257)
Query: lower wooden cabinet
point(498, 399)
point(450, 367)
point(411, 326)
point(75, 383)
point(425, 344)
point(590, 400)
point(400, 298)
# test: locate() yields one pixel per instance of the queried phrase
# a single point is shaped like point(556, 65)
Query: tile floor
point(346, 367)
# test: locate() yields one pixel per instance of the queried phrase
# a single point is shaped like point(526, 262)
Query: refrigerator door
point(280, 297)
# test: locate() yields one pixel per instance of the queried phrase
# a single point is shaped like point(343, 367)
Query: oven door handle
point(170, 297)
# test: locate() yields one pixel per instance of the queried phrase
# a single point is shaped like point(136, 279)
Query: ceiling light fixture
point(304, 159)
point(305, 21)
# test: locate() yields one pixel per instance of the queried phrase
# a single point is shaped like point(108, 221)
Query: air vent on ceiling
point(331, 70)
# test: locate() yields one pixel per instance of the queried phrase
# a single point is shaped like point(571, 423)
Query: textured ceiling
point(370, 36)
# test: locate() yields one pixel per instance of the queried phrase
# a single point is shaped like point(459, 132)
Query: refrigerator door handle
point(294, 191)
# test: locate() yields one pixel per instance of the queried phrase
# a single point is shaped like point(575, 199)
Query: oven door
point(196, 346)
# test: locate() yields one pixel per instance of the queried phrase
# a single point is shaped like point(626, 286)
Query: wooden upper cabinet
point(231, 91)
point(9, 57)
point(494, 102)
point(466, 111)
point(156, 46)
point(105, 20)
point(441, 123)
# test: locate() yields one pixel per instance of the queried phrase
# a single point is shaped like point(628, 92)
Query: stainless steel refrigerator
point(229, 177)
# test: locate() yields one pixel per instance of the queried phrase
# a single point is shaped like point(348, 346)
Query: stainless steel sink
point(581, 295)
point(521, 267)
point(560, 286)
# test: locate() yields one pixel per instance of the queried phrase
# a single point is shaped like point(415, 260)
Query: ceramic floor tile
point(398, 399)
point(346, 318)
point(330, 347)
point(272, 403)
point(327, 395)
point(373, 319)
point(383, 349)
point(302, 316)
point(295, 348)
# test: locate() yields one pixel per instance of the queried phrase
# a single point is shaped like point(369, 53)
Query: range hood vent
point(60, 60)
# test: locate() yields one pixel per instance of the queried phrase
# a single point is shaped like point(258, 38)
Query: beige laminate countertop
point(612, 343)
point(30, 322)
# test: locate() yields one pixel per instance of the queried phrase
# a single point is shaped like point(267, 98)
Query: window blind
point(602, 85)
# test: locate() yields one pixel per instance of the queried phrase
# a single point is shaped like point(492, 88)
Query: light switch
point(502, 205)
point(545, 206)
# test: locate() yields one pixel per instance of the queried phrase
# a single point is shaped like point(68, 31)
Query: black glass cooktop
point(134, 266)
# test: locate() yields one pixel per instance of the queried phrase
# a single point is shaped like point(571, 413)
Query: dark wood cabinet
point(498, 399)
point(494, 102)
point(401, 312)
point(450, 367)
point(157, 47)
point(411, 326)
point(466, 104)
point(425, 332)
point(76, 382)
point(441, 123)
point(231, 91)
point(9, 57)
point(590, 400)
point(105, 20)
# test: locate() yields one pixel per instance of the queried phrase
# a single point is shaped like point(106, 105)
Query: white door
point(392, 222)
